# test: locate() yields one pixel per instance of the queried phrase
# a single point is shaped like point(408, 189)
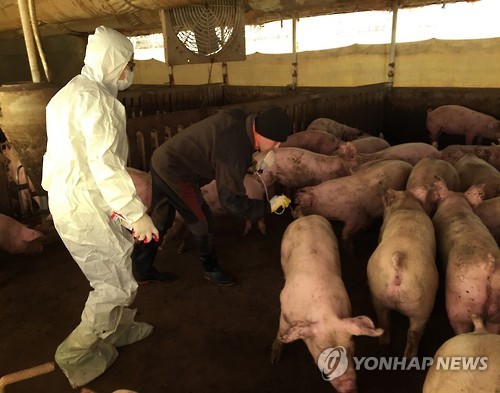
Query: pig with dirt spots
point(341, 131)
point(17, 238)
point(411, 152)
point(481, 350)
point(459, 120)
point(295, 168)
point(356, 199)
point(421, 180)
point(473, 170)
point(402, 272)
point(453, 153)
point(315, 306)
point(316, 141)
point(471, 259)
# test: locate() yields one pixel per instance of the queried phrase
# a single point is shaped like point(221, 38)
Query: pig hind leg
point(352, 227)
point(469, 138)
point(278, 344)
point(384, 321)
point(414, 334)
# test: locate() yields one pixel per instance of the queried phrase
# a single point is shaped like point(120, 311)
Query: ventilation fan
point(210, 32)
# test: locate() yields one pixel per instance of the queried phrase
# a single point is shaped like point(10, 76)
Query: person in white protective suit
point(84, 173)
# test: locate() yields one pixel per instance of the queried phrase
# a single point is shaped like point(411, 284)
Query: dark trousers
point(184, 197)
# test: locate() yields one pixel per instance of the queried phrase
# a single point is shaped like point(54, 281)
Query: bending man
point(219, 147)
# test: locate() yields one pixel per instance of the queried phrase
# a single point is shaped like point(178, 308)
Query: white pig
point(356, 199)
point(471, 258)
point(315, 306)
point(17, 238)
point(479, 348)
point(459, 120)
point(402, 272)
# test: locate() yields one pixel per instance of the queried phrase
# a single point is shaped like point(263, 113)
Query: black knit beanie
point(274, 124)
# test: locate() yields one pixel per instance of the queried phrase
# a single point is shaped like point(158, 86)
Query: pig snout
point(345, 385)
point(303, 198)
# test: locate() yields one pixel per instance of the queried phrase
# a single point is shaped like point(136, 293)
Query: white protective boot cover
point(83, 356)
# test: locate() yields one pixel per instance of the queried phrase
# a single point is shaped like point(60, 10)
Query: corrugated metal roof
point(134, 17)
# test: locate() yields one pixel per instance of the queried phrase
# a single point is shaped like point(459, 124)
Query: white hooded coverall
point(84, 173)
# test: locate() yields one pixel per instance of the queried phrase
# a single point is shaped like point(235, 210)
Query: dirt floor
point(206, 338)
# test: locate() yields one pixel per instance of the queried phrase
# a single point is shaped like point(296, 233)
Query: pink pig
point(254, 189)
point(355, 200)
point(316, 141)
point(481, 347)
point(341, 131)
point(471, 258)
point(370, 144)
point(473, 170)
point(421, 180)
point(142, 182)
point(402, 271)
point(17, 238)
point(456, 119)
point(315, 306)
point(294, 167)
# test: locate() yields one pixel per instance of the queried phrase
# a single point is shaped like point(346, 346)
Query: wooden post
point(29, 40)
point(163, 18)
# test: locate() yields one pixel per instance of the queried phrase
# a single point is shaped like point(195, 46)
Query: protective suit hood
point(107, 54)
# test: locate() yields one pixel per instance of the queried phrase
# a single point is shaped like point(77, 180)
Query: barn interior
point(207, 338)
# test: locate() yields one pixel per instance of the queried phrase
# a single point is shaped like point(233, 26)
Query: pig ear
point(440, 189)
point(420, 193)
point(306, 200)
point(360, 326)
point(475, 194)
point(299, 330)
point(341, 148)
point(349, 150)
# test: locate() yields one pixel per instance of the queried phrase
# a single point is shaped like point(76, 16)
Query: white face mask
point(127, 82)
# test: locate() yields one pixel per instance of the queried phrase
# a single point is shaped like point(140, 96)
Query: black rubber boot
point(212, 271)
point(143, 257)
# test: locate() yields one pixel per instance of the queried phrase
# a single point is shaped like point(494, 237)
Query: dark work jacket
point(219, 147)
